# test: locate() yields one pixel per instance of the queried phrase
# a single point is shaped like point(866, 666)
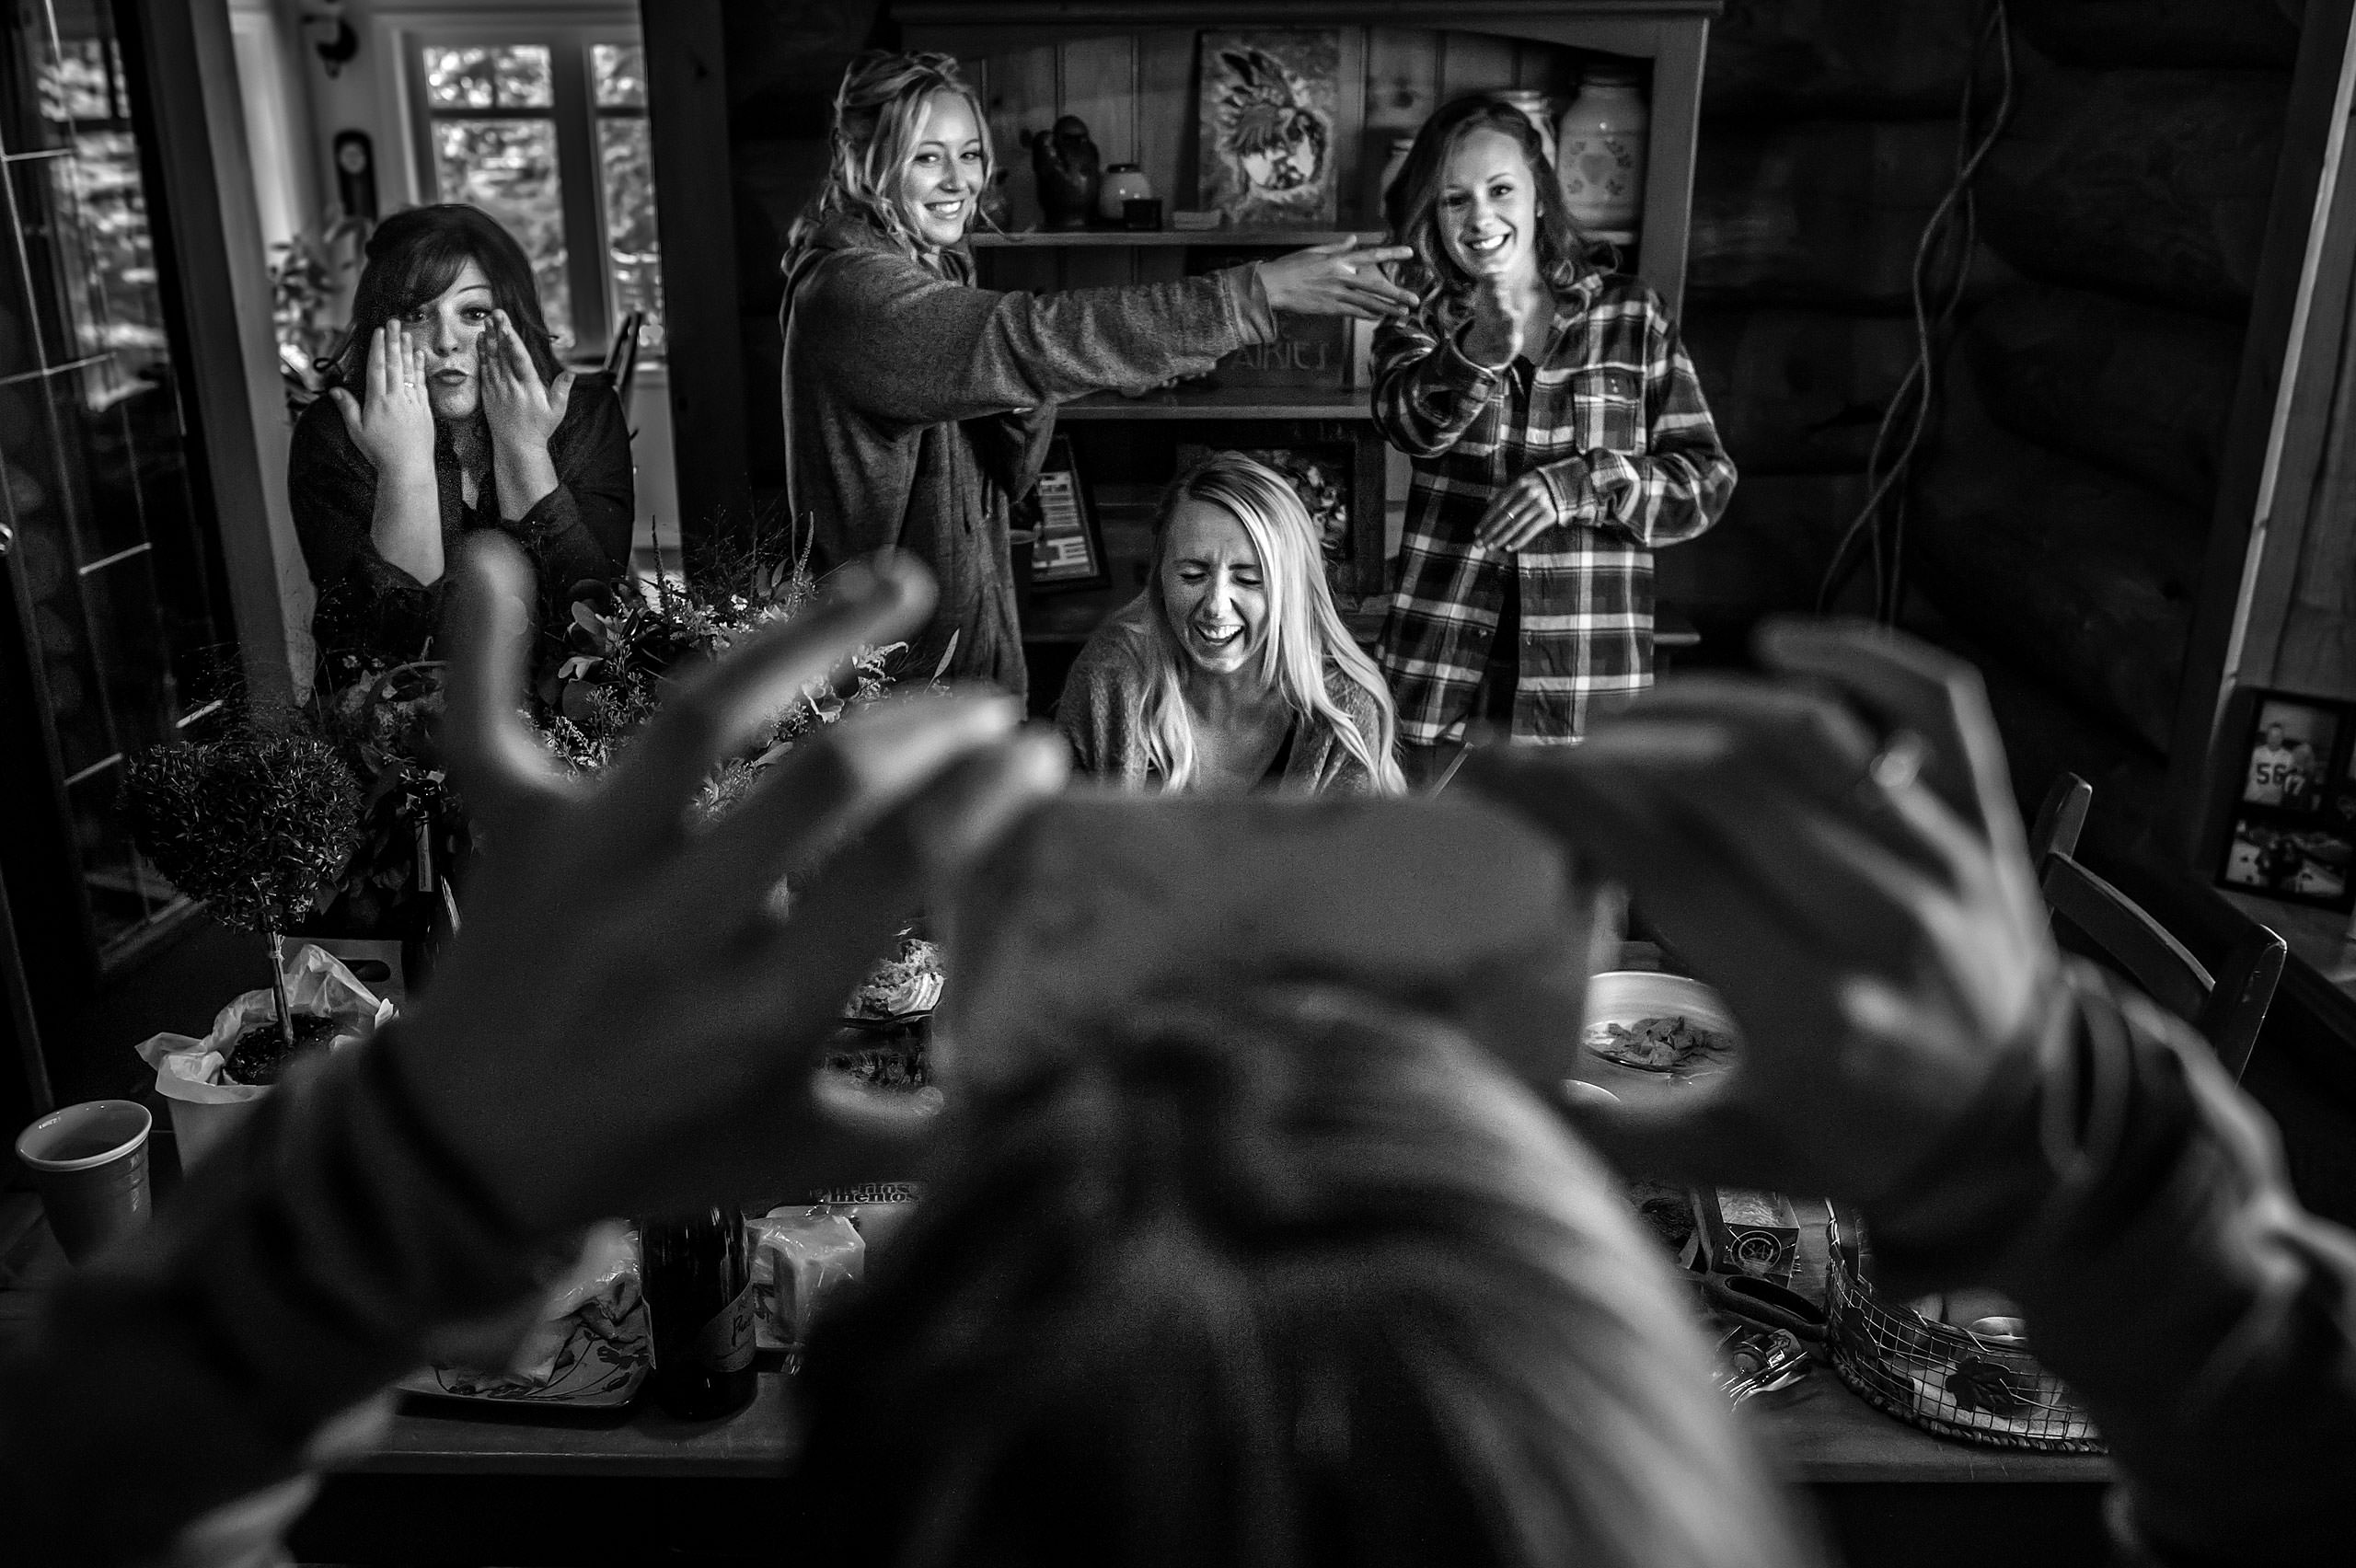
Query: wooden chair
point(621, 356)
point(2061, 819)
point(2096, 920)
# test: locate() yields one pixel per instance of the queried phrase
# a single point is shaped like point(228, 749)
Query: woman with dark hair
point(1558, 437)
point(448, 412)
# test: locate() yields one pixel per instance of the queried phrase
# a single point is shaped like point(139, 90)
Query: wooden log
point(1888, 59)
point(1797, 391)
point(2149, 184)
point(2057, 565)
point(2199, 33)
point(2142, 391)
point(1768, 553)
point(1820, 214)
point(2047, 735)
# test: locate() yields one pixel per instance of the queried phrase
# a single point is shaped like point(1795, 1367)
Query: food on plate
point(1667, 1043)
point(907, 982)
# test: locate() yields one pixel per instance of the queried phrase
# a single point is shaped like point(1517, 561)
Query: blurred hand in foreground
point(631, 1019)
point(1838, 854)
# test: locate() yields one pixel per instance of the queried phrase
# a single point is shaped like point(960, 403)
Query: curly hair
point(879, 111)
point(415, 256)
point(1444, 290)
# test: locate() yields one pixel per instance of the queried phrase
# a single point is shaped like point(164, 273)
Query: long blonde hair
point(1306, 643)
point(879, 111)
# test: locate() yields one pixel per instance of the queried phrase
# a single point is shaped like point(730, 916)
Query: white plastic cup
point(90, 1162)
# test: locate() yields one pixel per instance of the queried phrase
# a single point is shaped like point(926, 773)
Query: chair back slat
point(2061, 819)
point(2245, 989)
point(2096, 919)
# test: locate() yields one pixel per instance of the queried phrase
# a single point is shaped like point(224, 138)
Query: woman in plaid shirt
point(1558, 437)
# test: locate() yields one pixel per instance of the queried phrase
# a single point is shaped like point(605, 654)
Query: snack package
point(188, 1072)
point(800, 1255)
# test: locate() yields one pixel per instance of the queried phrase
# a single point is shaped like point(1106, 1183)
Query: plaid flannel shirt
point(1614, 421)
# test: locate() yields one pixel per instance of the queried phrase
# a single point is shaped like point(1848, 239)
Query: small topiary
point(254, 824)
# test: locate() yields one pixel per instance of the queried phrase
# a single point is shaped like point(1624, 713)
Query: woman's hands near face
point(1519, 514)
point(634, 1017)
point(1337, 280)
point(394, 426)
point(1842, 860)
point(1494, 337)
point(521, 410)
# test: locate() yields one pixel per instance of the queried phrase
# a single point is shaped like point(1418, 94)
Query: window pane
point(459, 78)
point(621, 74)
point(501, 76)
point(508, 168)
point(625, 146)
point(522, 73)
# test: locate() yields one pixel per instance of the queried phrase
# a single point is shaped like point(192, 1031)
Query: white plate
point(1623, 996)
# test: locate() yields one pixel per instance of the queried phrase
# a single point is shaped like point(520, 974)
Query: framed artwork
point(1337, 473)
point(2292, 833)
point(1266, 127)
point(1068, 542)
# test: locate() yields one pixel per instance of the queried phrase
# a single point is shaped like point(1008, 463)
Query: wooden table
point(456, 1482)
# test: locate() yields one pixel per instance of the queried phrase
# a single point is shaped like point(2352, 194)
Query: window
point(550, 136)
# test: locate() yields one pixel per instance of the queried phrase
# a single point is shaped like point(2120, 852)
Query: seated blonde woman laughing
point(1232, 670)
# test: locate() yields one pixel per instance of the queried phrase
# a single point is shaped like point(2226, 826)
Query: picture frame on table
point(2291, 832)
point(1066, 537)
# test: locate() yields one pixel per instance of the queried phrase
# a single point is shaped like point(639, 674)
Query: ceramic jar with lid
point(1122, 182)
point(1533, 106)
point(1600, 150)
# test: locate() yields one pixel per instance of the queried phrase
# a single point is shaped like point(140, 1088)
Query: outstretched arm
point(1843, 861)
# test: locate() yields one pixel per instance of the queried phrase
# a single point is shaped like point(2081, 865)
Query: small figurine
point(1064, 159)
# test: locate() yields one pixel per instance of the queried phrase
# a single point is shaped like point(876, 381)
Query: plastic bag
point(800, 1255)
point(188, 1072)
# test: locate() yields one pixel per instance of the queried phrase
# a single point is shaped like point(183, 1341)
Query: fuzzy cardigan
point(918, 408)
point(1103, 703)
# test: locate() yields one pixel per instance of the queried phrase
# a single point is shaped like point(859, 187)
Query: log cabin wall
point(2064, 497)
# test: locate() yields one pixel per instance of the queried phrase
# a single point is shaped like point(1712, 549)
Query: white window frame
point(569, 31)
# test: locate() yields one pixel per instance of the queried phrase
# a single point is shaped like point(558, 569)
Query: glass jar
point(1122, 182)
point(1600, 143)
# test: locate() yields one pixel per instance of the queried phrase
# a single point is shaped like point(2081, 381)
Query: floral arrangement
point(253, 822)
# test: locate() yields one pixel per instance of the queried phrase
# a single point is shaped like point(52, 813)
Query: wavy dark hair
point(1292, 1277)
point(418, 253)
point(1411, 207)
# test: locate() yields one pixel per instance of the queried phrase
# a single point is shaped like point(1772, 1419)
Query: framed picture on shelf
point(2293, 818)
point(1337, 473)
point(1068, 542)
point(1267, 127)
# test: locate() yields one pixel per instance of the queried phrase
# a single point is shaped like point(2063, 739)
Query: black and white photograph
point(1175, 784)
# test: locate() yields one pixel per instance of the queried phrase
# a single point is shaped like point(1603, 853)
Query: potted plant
point(255, 824)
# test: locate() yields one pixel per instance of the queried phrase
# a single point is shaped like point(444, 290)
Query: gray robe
point(918, 408)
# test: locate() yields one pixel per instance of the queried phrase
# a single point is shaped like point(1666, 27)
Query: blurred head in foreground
point(1289, 1278)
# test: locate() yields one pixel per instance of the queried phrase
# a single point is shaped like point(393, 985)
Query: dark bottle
point(697, 1270)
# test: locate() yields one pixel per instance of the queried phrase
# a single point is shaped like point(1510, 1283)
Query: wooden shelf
point(1226, 403)
point(1221, 238)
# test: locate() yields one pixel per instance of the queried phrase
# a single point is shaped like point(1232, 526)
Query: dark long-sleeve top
point(1610, 416)
point(579, 531)
point(1102, 712)
point(918, 408)
point(2120, 1189)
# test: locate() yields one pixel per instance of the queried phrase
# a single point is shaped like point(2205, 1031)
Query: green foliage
point(309, 278)
point(380, 717)
point(631, 640)
point(254, 824)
